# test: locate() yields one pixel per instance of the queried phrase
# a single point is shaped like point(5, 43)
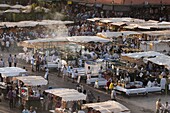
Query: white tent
point(67, 94)
point(11, 71)
point(4, 5)
point(32, 23)
point(12, 11)
point(86, 39)
point(17, 7)
point(117, 34)
point(32, 80)
point(93, 19)
point(108, 107)
point(43, 43)
point(160, 60)
point(139, 55)
point(157, 33)
point(158, 46)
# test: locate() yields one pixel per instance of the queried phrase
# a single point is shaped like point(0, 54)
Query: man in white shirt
point(163, 84)
point(167, 108)
point(32, 63)
point(7, 45)
point(158, 105)
point(59, 65)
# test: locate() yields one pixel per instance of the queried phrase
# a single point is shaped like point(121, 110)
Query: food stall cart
point(7, 75)
point(107, 107)
point(94, 68)
point(29, 90)
point(69, 98)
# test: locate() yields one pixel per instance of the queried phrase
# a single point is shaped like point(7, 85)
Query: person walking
point(15, 61)
point(46, 74)
point(38, 63)
point(32, 63)
point(64, 71)
point(10, 60)
point(163, 84)
point(167, 108)
point(111, 87)
point(59, 65)
point(158, 106)
point(7, 45)
point(113, 95)
point(2, 63)
point(10, 97)
point(14, 95)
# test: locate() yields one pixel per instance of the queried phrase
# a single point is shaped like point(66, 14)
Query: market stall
point(94, 69)
point(139, 55)
point(118, 34)
point(30, 91)
point(86, 39)
point(158, 46)
point(44, 43)
point(8, 73)
point(136, 88)
point(108, 107)
point(65, 97)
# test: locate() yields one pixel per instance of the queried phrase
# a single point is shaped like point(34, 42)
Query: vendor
point(89, 73)
point(100, 72)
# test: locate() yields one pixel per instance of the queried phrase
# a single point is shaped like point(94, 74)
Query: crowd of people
point(149, 74)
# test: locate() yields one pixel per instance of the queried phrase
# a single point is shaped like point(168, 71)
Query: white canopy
point(12, 11)
point(57, 39)
point(155, 42)
point(32, 23)
point(157, 33)
point(118, 23)
point(117, 34)
point(93, 19)
point(43, 43)
point(17, 7)
point(4, 5)
point(123, 19)
point(139, 55)
point(32, 80)
point(86, 39)
point(160, 60)
point(67, 94)
point(108, 107)
point(11, 71)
